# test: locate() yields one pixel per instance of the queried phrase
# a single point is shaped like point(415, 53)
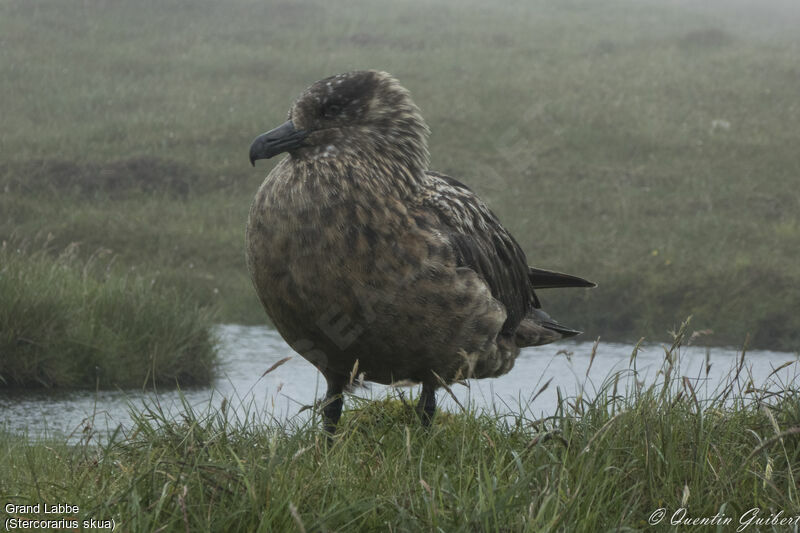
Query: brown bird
point(365, 259)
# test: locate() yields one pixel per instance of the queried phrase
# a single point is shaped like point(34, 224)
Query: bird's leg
point(426, 407)
point(332, 406)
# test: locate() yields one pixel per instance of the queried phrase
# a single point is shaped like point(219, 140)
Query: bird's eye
point(331, 110)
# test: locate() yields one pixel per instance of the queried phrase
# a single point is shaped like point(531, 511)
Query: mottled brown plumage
point(359, 253)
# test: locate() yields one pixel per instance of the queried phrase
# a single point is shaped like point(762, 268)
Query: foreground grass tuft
point(596, 464)
point(63, 325)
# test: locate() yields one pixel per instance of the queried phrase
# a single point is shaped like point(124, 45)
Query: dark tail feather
point(565, 331)
point(547, 279)
point(538, 328)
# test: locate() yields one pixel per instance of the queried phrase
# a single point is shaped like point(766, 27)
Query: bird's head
point(360, 114)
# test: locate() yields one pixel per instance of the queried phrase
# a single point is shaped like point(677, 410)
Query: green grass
point(648, 146)
point(599, 463)
point(67, 323)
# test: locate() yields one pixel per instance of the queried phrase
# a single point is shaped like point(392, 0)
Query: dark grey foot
point(426, 407)
point(332, 408)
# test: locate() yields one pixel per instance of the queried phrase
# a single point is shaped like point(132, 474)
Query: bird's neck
point(342, 177)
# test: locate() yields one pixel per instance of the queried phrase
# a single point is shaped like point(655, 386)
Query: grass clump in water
point(599, 464)
point(64, 324)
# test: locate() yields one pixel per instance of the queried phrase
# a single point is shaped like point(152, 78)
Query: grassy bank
point(649, 146)
point(599, 463)
point(69, 323)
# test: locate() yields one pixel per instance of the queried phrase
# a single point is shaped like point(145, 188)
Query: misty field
point(651, 148)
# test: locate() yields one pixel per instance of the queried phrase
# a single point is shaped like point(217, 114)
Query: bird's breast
point(311, 246)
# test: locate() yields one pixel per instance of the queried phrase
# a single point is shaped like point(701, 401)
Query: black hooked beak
point(274, 142)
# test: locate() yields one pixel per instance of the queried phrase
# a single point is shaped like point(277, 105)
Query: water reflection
point(249, 351)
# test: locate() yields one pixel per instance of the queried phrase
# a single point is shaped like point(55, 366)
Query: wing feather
point(480, 242)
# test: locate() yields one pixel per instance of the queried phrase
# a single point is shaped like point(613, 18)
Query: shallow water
point(247, 352)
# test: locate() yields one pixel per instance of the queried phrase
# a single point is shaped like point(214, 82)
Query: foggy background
point(649, 146)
